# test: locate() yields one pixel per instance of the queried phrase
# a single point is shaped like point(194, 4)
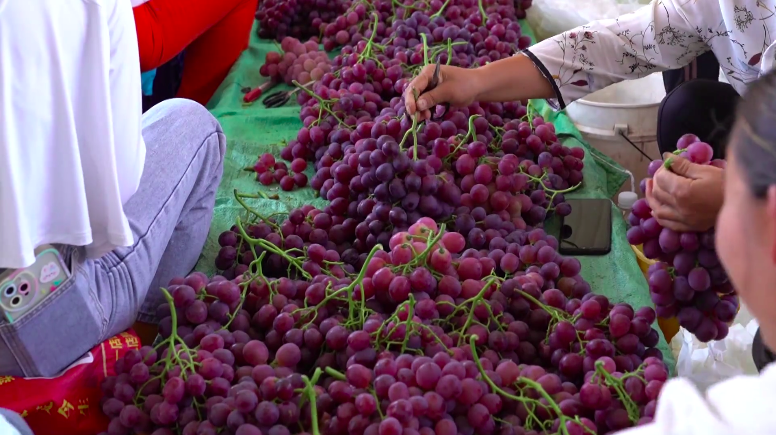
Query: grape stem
point(269, 246)
point(529, 383)
point(246, 285)
point(466, 137)
point(442, 9)
point(630, 406)
point(482, 12)
point(240, 199)
point(335, 374)
point(321, 102)
point(425, 49)
point(309, 391)
point(480, 296)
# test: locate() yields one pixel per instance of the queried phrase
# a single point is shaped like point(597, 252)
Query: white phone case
point(22, 289)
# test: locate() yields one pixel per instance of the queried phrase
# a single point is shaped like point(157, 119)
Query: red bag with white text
point(68, 404)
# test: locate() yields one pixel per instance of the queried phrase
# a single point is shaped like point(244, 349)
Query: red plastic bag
point(68, 404)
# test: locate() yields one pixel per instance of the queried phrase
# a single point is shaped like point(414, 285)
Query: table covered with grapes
point(375, 275)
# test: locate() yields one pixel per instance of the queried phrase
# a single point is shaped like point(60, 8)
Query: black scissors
point(278, 99)
point(431, 86)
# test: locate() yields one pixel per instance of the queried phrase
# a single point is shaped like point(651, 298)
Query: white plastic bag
point(708, 363)
point(551, 17)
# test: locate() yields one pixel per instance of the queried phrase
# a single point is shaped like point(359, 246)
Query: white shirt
point(138, 2)
point(743, 405)
point(71, 149)
point(666, 34)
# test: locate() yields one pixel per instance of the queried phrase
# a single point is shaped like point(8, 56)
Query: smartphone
point(588, 229)
point(23, 289)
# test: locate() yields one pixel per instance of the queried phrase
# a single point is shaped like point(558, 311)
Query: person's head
point(746, 226)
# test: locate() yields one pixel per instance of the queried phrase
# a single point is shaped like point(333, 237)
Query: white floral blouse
point(664, 35)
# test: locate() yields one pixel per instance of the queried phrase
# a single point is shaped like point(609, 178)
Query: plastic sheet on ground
point(254, 130)
point(708, 363)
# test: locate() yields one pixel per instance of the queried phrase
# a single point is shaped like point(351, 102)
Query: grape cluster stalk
point(688, 281)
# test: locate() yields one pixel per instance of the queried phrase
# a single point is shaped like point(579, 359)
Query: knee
point(189, 118)
point(189, 111)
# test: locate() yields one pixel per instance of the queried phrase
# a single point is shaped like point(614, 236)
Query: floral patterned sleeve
point(657, 37)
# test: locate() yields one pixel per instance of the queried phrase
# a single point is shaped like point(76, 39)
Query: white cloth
point(666, 34)
point(71, 150)
point(740, 405)
point(138, 2)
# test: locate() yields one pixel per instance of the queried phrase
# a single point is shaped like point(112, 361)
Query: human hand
point(687, 197)
point(456, 86)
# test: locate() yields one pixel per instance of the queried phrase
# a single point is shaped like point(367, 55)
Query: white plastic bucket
point(628, 107)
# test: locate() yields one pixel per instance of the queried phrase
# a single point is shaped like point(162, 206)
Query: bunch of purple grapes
point(301, 62)
point(523, 180)
point(426, 338)
point(296, 18)
point(313, 327)
point(377, 167)
point(386, 190)
point(347, 122)
point(340, 22)
point(269, 171)
point(688, 282)
point(307, 230)
point(442, 395)
point(493, 36)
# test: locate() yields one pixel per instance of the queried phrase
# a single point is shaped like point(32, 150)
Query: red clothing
point(213, 32)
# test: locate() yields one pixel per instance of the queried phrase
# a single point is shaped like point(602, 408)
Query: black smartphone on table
point(588, 229)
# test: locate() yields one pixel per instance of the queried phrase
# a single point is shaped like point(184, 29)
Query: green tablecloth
point(253, 130)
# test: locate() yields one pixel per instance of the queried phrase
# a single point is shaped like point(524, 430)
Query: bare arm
point(513, 79)
point(566, 67)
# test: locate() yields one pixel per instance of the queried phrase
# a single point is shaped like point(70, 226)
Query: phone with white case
point(23, 289)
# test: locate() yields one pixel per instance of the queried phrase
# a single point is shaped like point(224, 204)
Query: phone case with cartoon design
point(22, 289)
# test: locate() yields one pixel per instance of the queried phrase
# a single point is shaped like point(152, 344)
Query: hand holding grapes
point(456, 86)
point(687, 197)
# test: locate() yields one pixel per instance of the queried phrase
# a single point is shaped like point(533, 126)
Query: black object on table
point(587, 230)
point(278, 99)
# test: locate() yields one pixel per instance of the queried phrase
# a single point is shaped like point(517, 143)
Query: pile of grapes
point(342, 21)
point(426, 297)
point(688, 282)
point(296, 18)
point(428, 338)
point(300, 62)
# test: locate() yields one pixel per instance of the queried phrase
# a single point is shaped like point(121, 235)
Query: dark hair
point(754, 135)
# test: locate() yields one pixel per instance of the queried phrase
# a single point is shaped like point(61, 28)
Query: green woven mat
point(253, 130)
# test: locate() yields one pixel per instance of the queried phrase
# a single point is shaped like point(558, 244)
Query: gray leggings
point(170, 217)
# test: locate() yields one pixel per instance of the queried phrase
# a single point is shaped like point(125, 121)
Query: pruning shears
point(255, 94)
point(431, 86)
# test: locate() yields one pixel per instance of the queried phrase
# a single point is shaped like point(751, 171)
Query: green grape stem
point(530, 383)
point(335, 374)
point(309, 391)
